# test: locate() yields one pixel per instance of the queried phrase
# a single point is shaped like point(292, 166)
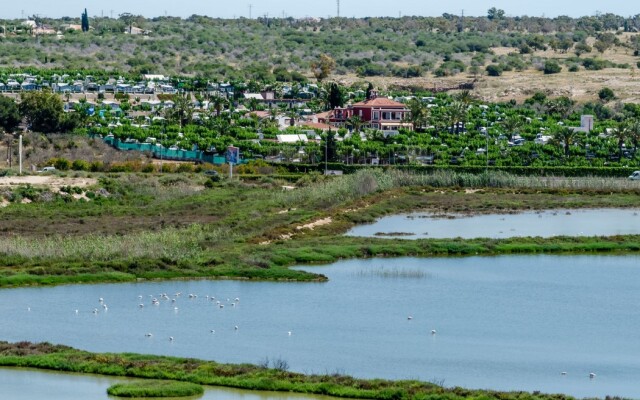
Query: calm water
point(509, 323)
point(594, 222)
point(19, 384)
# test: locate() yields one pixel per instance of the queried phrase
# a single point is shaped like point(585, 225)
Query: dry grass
point(581, 86)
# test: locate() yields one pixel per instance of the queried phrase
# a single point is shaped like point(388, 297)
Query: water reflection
point(592, 222)
point(26, 384)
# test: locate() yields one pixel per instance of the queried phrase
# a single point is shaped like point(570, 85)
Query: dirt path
point(51, 181)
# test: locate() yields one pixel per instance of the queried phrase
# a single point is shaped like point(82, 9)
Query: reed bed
point(346, 188)
point(170, 243)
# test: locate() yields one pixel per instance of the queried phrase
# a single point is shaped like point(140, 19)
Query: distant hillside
point(268, 49)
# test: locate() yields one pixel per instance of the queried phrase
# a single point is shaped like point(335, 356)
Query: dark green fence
point(167, 154)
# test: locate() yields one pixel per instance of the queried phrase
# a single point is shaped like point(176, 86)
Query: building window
point(376, 115)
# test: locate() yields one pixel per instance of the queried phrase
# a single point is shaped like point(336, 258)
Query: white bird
point(148, 334)
point(28, 308)
point(100, 299)
point(563, 373)
point(175, 308)
point(221, 305)
point(95, 310)
point(289, 333)
point(140, 296)
point(237, 299)
point(409, 317)
point(433, 331)
point(592, 375)
point(77, 311)
point(236, 327)
point(213, 331)
point(140, 305)
point(171, 338)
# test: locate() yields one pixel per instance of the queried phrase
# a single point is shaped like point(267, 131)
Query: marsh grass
point(155, 388)
point(170, 243)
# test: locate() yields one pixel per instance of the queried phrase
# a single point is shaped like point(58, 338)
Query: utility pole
point(20, 153)
point(250, 8)
point(338, 1)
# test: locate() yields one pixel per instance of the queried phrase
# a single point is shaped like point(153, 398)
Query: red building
point(376, 112)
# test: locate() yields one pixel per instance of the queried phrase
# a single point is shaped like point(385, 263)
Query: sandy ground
point(581, 86)
point(51, 181)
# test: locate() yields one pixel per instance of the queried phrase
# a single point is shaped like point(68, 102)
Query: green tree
point(606, 94)
point(336, 98)
point(43, 110)
point(419, 114)
point(9, 114)
point(495, 13)
point(85, 21)
point(355, 122)
point(621, 133)
point(322, 67)
point(565, 137)
point(369, 90)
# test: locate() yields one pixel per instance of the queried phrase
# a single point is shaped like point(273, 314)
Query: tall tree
point(621, 133)
point(43, 110)
point(9, 114)
point(85, 21)
point(369, 90)
point(336, 99)
point(565, 137)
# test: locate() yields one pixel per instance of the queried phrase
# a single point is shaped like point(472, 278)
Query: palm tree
point(355, 122)
point(621, 133)
point(218, 104)
point(465, 97)
point(293, 116)
point(457, 116)
point(565, 137)
point(511, 124)
point(634, 132)
point(419, 114)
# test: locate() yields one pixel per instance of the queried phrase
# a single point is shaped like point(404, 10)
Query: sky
point(313, 8)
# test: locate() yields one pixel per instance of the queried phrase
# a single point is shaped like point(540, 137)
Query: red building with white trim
point(376, 112)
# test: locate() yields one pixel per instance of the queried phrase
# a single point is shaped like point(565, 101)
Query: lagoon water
point(582, 222)
point(507, 323)
point(27, 384)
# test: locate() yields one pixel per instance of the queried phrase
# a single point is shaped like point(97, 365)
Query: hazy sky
point(316, 8)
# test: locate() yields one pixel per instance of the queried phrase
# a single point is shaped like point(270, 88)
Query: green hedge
point(618, 172)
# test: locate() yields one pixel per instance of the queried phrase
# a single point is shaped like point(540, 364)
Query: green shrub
point(80, 165)
point(551, 67)
point(494, 70)
point(606, 94)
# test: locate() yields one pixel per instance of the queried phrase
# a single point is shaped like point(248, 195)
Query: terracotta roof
point(379, 102)
point(316, 125)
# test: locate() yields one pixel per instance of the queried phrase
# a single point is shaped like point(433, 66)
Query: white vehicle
point(48, 169)
point(635, 176)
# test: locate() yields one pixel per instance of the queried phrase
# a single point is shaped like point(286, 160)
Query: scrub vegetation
point(148, 226)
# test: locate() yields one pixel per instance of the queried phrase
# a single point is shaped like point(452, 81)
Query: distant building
point(376, 112)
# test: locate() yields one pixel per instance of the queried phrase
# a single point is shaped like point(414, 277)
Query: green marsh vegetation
point(155, 226)
point(155, 388)
point(241, 376)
